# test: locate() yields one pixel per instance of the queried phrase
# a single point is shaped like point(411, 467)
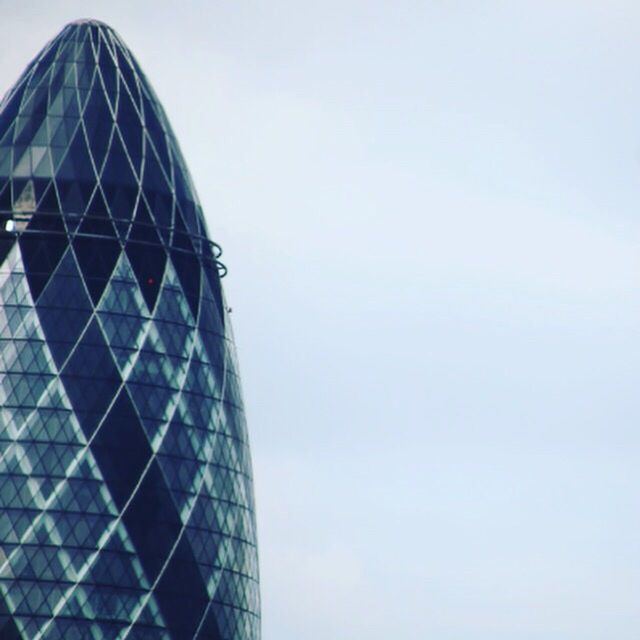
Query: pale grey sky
point(429, 211)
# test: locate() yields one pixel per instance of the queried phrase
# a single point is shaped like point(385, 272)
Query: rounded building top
point(83, 137)
point(89, 21)
point(85, 92)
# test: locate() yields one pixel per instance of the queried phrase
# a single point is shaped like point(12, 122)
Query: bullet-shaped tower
point(126, 497)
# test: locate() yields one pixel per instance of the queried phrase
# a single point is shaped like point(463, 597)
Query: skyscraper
point(126, 498)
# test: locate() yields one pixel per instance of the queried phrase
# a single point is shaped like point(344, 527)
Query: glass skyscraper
point(126, 497)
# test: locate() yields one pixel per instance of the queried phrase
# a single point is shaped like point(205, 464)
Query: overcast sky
point(430, 215)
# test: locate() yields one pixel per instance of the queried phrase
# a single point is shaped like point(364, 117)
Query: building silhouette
point(126, 497)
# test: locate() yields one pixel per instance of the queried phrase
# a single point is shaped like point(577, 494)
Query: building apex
point(89, 22)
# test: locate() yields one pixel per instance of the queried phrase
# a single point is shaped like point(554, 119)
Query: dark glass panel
point(57, 78)
point(146, 254)
point(129, 123)
point(152, 521)
point(35, 106)
point(6, 154)
point(85, 75)
point(64, 309)
point(70, 105)
point(7, 240)
point(209, 629)
point(181, 237)
point(43, 64)
point(41, 252)
point(127, 73)
point(161, 205)
point(121, 449)
point(187, 267)
point(156, 132)
point(90, 378)
point(117, 170)
point(5, 197)
point(211, 318)
point(10, 111)
point(97, 257)
point(158, 192)
point(122, 202)
point(8, 629)
point(185, 198)
point(18, 185)
point(98, 122)
point(40, 187)
point(60, 132)
point(74, 197)
point(154, 179)
point(143, 228)
point(108, 72)
point(26, 127)
point(212, 274)
point(83, 52)
point(49, 201)
point(186, 264)
point(97, 220)
point(182, 593)
point(77, 165)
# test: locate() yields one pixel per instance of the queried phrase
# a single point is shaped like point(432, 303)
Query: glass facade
point(126, 495)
